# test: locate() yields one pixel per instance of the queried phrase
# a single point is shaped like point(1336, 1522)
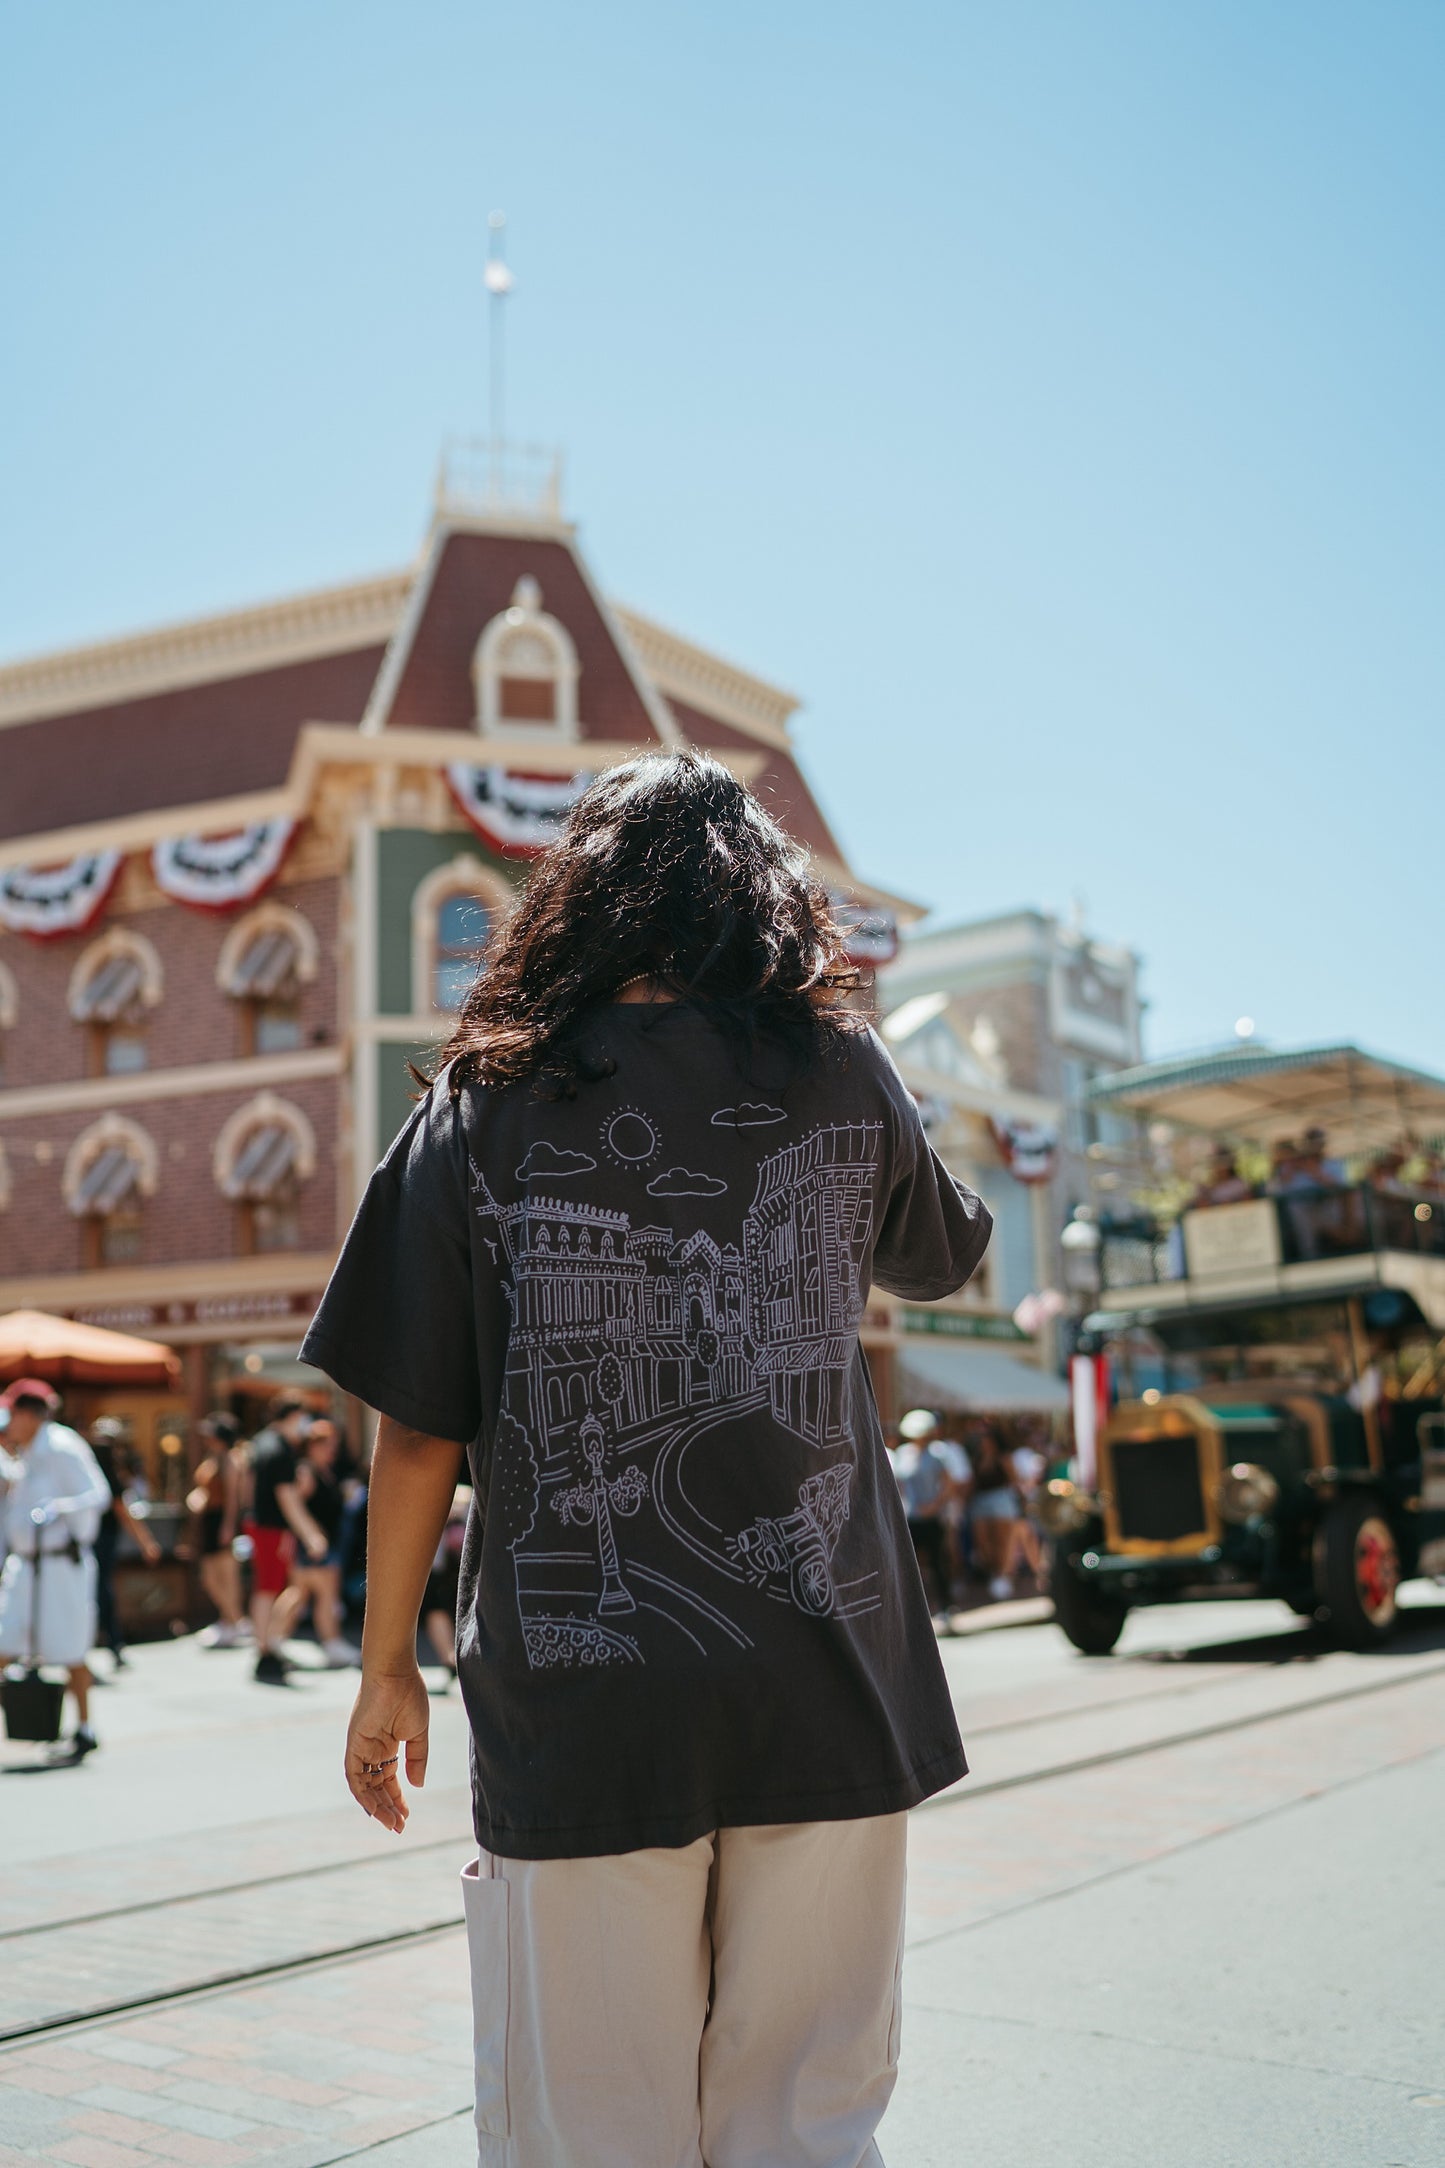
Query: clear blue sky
point(1050, 393)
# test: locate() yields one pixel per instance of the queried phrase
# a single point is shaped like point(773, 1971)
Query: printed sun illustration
point(630, 1137)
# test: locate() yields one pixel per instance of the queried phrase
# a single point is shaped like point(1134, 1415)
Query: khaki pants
point(730, 2004)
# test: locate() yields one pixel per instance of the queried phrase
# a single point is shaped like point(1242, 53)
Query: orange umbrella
point(34, 1345)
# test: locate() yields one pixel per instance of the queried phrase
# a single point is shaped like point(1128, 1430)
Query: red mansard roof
point(183, 747)
point(473, 583)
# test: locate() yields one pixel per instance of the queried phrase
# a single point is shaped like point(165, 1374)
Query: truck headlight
point(1245, 1492)
point(1063, 1507)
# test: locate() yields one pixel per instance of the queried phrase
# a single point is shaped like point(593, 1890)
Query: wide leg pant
point(730, 2004)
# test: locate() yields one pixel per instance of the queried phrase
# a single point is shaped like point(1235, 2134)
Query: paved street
point(1187, 1909)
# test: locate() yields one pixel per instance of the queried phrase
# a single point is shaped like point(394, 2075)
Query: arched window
point(525, 669)
point(109, 1172)
point(115, 982)
point(266, 959)
point(263, 1154)
point(453, 913)
point(9, 1010)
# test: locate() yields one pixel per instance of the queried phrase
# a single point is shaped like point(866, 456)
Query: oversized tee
point(688, 1595)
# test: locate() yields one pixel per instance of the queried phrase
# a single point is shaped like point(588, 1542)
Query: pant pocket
point(485, 1901)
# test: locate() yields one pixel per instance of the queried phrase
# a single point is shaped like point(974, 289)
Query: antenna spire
point(498, 280)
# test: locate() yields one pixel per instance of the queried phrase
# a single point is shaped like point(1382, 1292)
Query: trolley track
point(56, 1980)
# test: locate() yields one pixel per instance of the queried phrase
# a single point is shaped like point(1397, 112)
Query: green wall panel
point(396, 1087)
point(404, 858)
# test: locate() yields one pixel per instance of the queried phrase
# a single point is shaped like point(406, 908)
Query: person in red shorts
point(278, 1522)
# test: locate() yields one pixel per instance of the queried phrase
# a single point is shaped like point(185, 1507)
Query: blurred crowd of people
point(970, 1501)
point(1306, 1168)
point(276, 1532)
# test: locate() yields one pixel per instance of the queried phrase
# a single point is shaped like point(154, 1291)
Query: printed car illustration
point(798, 1547)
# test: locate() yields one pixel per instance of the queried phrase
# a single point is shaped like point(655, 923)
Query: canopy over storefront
point(35, 1345)
point(1363, 1103)
point(977, 1381)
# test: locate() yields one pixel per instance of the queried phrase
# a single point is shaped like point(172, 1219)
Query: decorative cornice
point(340, 746)
point(249, 1073)
point(328, 621)
point(684, 671)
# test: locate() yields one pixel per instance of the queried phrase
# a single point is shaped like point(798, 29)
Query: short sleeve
point(934, 1229)
point(397, 1323)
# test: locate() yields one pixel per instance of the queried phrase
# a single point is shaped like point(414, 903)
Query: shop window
point(453, 914)
point(116, 981)
point(110, 1171)
point(525, 669)
point(263, 1155)
point(265, 960)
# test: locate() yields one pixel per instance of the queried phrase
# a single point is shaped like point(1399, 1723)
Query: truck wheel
point(1092, 1620)
point(1357, 1571)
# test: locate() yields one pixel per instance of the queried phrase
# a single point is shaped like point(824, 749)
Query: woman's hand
point(389, 1719)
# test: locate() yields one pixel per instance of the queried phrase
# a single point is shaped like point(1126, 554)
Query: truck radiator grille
point(1158, 1494)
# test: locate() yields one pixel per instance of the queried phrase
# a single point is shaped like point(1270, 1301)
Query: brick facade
point(194, 1021)
point(188, 1220)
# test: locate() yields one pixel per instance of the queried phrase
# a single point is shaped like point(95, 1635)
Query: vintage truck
point(1279, 1357)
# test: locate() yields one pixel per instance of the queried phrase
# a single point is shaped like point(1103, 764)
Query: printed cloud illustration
point(678, 1182)
point(749, 1114)
point(545, 1160)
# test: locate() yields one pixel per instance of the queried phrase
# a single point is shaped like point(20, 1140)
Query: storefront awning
point(977, 1381)
point(57, 1349)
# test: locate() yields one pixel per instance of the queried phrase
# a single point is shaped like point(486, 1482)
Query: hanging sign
point(47, 901)
point(1028, 1149)
point(215, 873)
point(872, 935)
point(517, 814)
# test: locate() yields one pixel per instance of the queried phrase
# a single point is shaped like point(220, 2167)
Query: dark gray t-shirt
point(688, 1595)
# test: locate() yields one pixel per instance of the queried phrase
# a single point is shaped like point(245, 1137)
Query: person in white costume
point(52, 1502)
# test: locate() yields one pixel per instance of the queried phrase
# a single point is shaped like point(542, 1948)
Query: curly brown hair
point(667, 868)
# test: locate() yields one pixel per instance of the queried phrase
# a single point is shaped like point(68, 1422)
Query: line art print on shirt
point(634, 1348)
point(545, 1162)
point(631, 1138)
point(748, 1114)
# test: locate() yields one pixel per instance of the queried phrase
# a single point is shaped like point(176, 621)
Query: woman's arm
point(409, 1496)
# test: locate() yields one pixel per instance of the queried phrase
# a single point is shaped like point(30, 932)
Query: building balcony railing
point(1264, 1233)
point(481, 475)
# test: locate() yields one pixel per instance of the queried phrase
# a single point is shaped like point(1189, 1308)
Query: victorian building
point(245, 863)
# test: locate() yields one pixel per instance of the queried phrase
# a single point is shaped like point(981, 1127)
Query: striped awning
point(111, 1180)
point(268, 965)
point(265, 1160)
point(112, 991)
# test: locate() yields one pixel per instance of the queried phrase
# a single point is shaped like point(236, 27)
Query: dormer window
point(265, 960)
point(525, 670)
point(114, 983)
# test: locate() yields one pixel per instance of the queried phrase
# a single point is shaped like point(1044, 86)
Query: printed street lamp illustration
point(596, 1498)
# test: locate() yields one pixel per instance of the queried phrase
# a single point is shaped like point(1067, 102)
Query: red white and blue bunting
point(216, 873)
point(1029, 1150)
point(517, 814)
point(48, 901)
point(872, 935)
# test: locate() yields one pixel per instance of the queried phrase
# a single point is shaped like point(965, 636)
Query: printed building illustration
point(689, 1322)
